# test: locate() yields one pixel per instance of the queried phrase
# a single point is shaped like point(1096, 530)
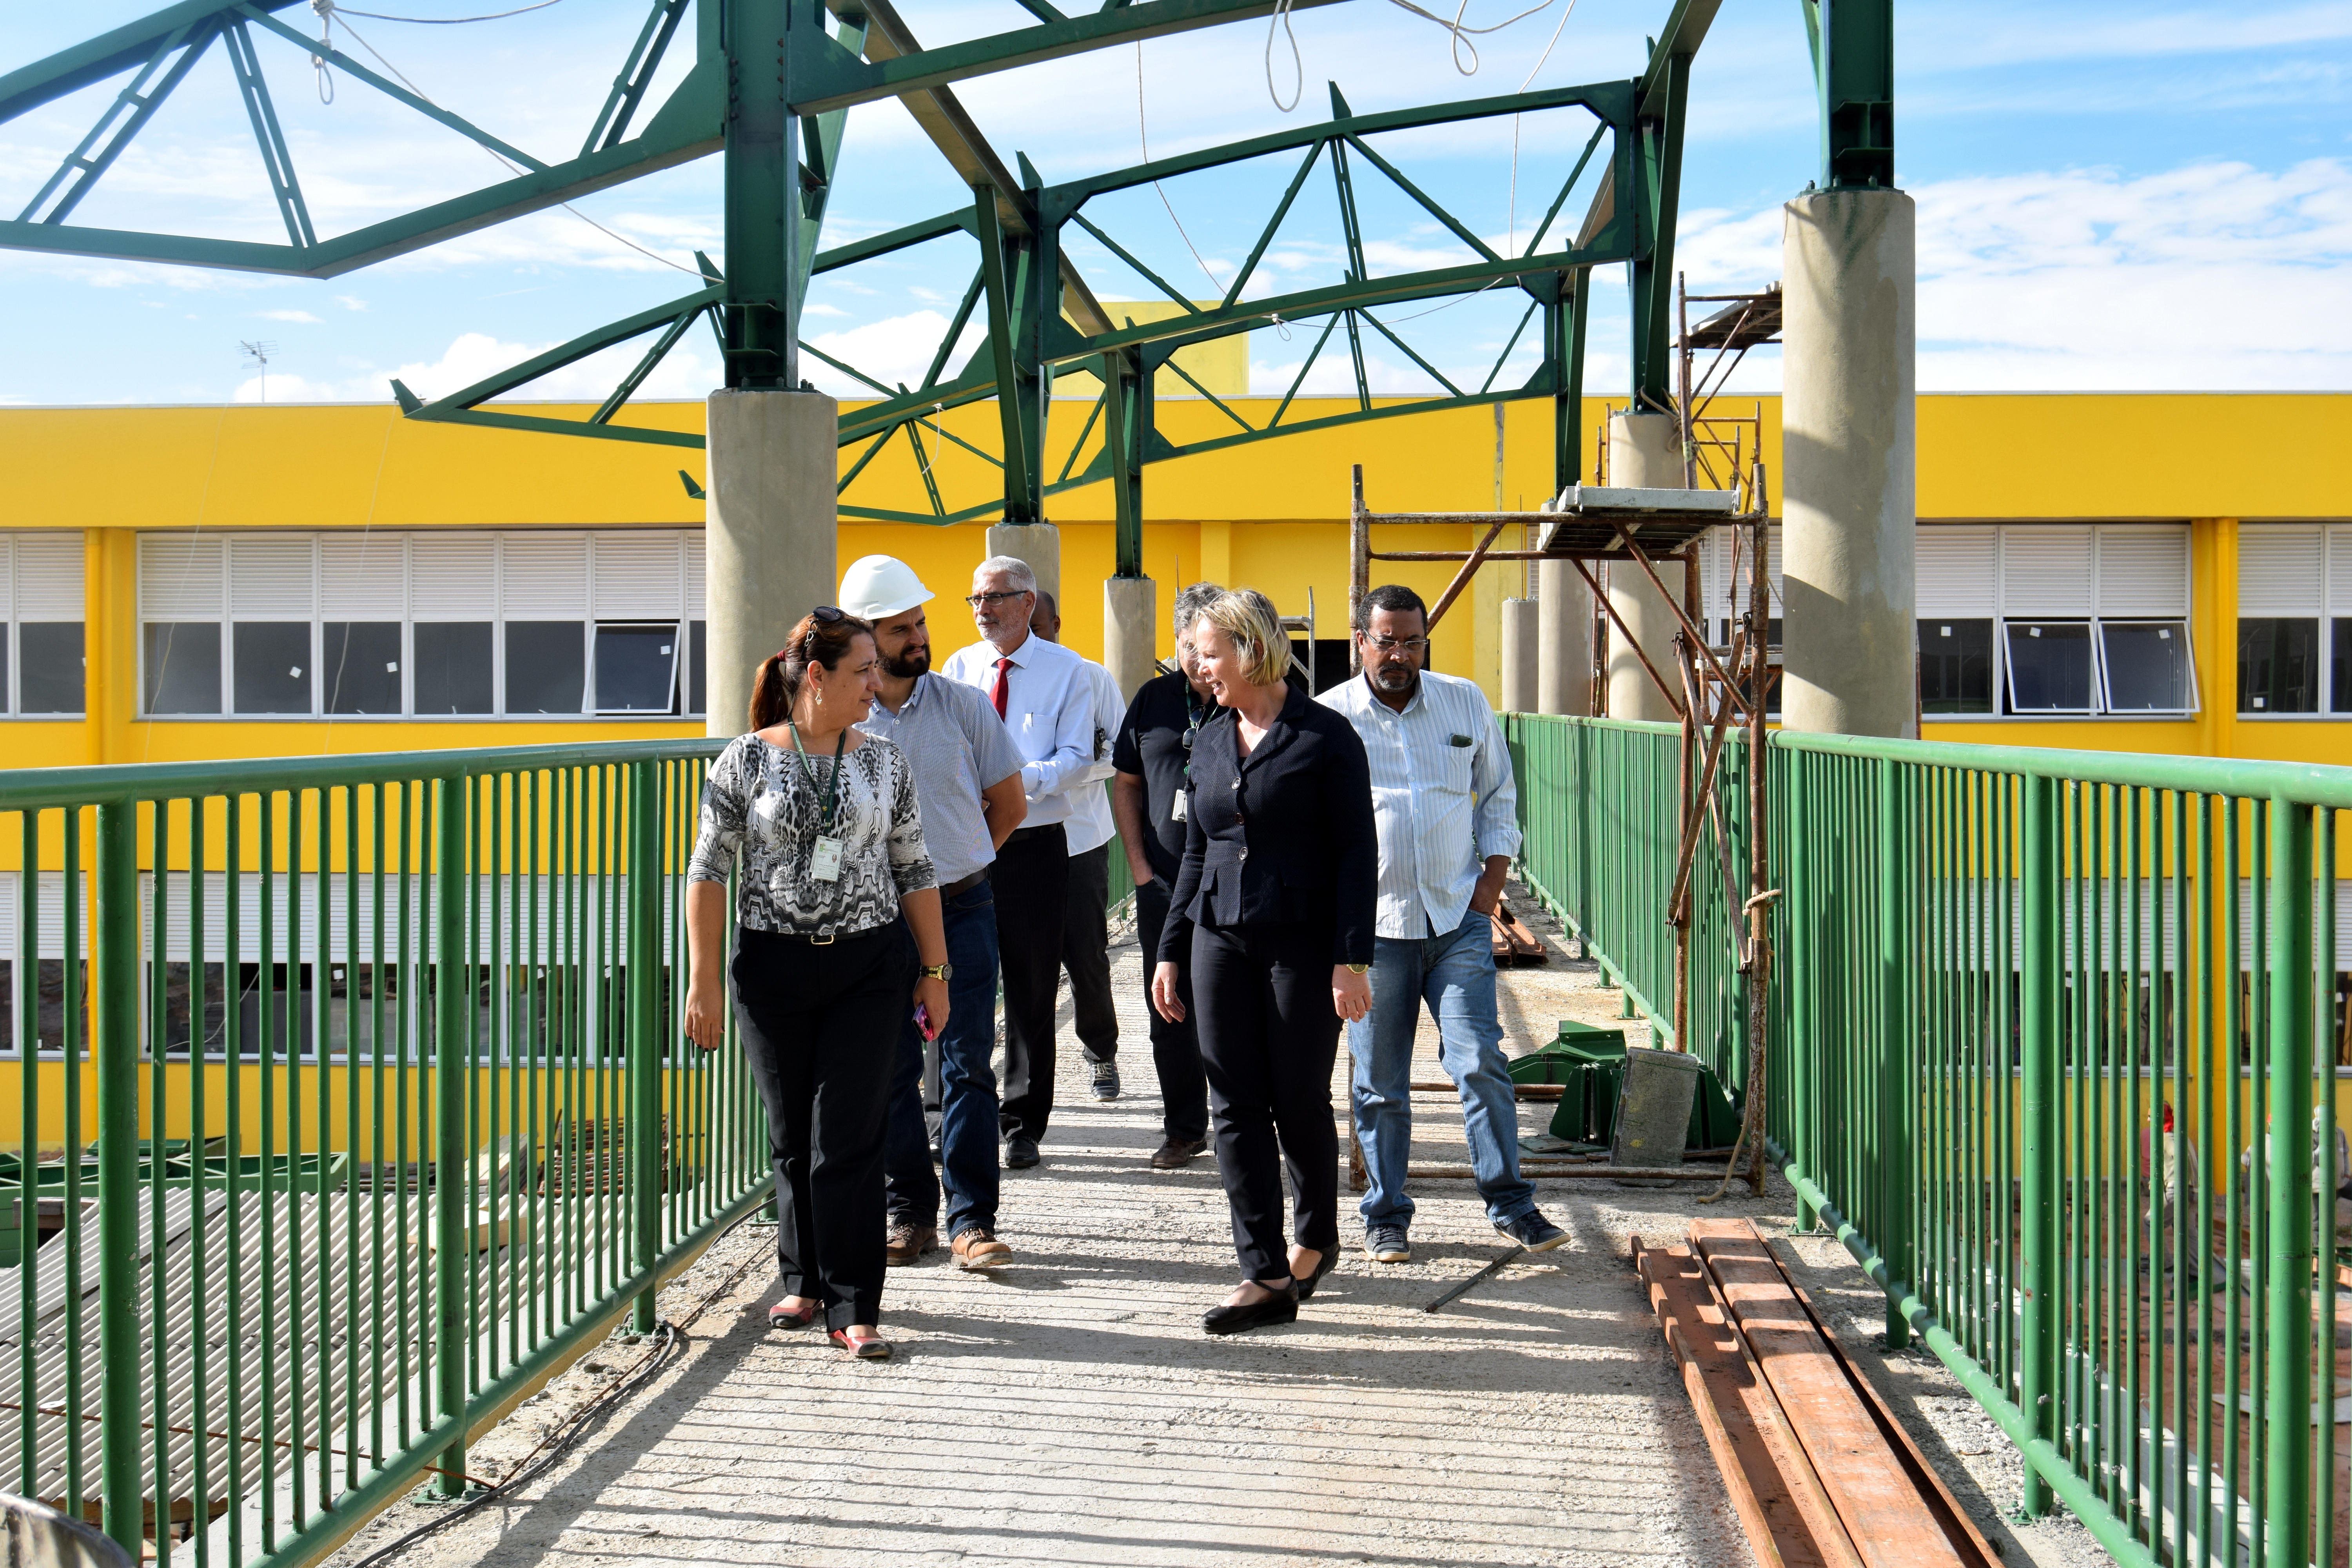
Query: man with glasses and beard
point(1445, 804)
point(1041, 692)
point(968, 785)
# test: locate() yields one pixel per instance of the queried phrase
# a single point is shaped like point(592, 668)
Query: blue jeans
point(967, 1083)
point(1453, 973)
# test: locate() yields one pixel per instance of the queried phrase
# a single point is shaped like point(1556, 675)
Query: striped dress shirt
point(1442, 796)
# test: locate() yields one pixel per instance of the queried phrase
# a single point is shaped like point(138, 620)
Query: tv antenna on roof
point(259, 354)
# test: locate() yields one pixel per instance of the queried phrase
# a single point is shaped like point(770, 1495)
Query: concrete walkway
point(1069, 1411)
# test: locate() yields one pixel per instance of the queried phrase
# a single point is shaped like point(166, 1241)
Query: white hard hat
point(877, 586)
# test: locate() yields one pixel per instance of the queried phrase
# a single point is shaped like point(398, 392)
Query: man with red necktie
point(1041, 692)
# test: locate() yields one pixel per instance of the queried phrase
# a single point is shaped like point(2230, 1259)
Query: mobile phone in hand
point(923, 1022)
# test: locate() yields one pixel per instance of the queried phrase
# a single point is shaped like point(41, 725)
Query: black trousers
point(1175, 1048)
point(1086, 953)
point(1268, 1037)
point(820, 1031)
point(1031, 879)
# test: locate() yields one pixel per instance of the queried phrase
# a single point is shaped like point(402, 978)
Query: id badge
point(1176, 807)
point(825, 865)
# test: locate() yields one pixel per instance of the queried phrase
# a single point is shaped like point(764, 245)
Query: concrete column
point(1563, 639)
point(1521, 626)
point(1131, 620)
point(1038, 543)
point(767, 535)
point(1645, 453)
point(1848, 464)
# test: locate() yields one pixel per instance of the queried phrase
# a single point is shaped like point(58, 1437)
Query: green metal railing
point(357, 1104)
point(2054, 1040)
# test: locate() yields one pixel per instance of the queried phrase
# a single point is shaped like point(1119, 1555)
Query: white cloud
point(351, 302)
point(475, 356)
point(819, 308)
point(303, 316)
point(897, 349)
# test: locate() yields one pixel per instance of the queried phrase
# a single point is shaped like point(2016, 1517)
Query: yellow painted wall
point(1270, 515)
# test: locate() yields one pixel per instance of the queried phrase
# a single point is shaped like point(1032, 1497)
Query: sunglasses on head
point(823, 615)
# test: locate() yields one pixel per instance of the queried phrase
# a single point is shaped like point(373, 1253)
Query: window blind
point(362, 576)
point(2046, 572)
point(453, 574)
point(2143, 572)
point(180, 574)
point(1958, 572)
point(49, 577)
point(638, 575)
point(2279, 571)
point(543, 574)
point(273, 576)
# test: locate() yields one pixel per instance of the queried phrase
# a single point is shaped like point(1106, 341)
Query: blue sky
point(2125, 198)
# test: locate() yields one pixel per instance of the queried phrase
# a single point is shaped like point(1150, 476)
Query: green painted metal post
point(452, 1257)
point(2286, 1511)
point(115, 1053)
point(1854, 71)
point(645, 990)
point(2038, 1238)
point(761, 178)
point(1804, 1057)
point(1898, 1158)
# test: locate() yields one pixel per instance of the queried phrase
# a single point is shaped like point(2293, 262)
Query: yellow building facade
point(189, 583)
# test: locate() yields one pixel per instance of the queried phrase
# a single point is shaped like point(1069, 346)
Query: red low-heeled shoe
point(782, 1317)
point(875, 1349)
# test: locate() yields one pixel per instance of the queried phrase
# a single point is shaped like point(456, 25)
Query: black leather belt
point(967, 885)
point(1023, 834)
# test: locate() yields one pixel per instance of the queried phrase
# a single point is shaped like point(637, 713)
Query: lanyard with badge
point(1193, 711)
point(824, 860)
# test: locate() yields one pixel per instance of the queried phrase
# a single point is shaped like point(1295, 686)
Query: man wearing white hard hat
point(968, 783)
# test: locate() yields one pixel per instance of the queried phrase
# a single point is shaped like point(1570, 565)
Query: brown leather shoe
point(1176, 1153)
point(908, 1241)
point(979, 1249)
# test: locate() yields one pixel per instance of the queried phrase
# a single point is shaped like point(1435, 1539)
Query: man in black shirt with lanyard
point(1150, 762)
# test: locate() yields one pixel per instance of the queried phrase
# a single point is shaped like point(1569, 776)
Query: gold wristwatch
point(1357, 968)
point(938, 971)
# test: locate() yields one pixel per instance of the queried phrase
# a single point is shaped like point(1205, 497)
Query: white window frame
point(2087, 610)
point(15, 614)
point(2106, 696)
point(2332, 602)
point(400, 607)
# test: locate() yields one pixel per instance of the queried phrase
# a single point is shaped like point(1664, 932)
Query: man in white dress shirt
point(1041, 692)
point(1446, 806)
point(1085, 926)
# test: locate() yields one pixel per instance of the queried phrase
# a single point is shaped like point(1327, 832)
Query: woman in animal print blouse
point(830, 841)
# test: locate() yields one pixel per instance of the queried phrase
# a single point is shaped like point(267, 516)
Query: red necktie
point(1003, 676)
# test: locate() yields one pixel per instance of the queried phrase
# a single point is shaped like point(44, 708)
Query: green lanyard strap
point(833, 785)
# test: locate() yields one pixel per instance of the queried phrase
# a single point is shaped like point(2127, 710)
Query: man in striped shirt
point(1446, 808)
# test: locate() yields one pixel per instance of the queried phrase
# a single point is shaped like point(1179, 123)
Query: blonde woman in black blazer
point(1274, 905)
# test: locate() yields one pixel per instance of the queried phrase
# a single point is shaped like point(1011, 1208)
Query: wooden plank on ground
point(1752, 1446)
point(1890, 1523)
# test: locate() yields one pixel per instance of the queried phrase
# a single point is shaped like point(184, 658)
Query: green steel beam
point(1853, 44)
point(277, 163)
point(111, 53)
point(835, 78)
point(89, 162)
point(115, 932)
point(562, 354)
point(612, 122)
point(1004, 359)
point(1659, 181)
point(761, 188)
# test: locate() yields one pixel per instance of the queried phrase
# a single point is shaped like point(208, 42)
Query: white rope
point(1462, 34)
point(1297, 61)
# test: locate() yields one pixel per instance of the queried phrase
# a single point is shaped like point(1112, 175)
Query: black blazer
point(1282, 836)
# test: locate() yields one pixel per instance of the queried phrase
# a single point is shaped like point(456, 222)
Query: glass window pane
point(270, 666)
point(360, 662)
point(452, 669)
point(3, 666)
point(547, 666)
point(2146, 666)
point(697, 665)
point(49, 676)
point(1956, 667)
point(2340, 665)
point(636, 668)
point(2278, 665)
point(2049, 666)
point(183, 666)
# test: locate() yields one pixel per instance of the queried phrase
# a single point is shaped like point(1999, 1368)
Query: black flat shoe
point(1306, 1287)
point(1282, 1307)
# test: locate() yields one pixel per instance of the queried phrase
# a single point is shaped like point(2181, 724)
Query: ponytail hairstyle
point(821, 636)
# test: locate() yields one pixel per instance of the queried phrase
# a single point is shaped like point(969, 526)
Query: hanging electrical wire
point(1144, 137)
point(328, 11)
point(1512, 234)
point(324, 6)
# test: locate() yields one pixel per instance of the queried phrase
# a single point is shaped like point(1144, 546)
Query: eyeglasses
point(1395, 645)
point(977, 600)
